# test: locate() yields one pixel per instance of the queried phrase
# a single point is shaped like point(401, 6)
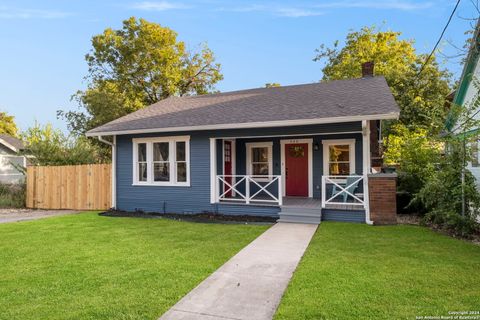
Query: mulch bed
point(408, 219)
point(206, 217)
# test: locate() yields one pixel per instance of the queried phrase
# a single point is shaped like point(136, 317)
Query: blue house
point(301, 153)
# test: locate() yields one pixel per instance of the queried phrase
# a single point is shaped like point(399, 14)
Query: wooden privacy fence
point(81, 187)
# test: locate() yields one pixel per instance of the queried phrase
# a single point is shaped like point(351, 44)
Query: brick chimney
point(367, 69)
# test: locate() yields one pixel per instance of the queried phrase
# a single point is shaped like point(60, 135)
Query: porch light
point(316, 147)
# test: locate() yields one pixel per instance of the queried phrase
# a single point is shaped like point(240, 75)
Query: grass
point(91, 267)
point(394, 272)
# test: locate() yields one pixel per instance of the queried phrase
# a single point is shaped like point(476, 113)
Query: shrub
point(12, 195)
point(47, 146)
point(452, 222)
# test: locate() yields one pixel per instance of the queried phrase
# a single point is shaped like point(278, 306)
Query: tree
point(450, 193)
point(421, 96)
point(137, 66)
point(48, 146)
point(416, 153)
point(7, 124)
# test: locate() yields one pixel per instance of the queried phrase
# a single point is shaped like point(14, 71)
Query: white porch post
point(213, 170)
point(366, 167)
point(114, 172)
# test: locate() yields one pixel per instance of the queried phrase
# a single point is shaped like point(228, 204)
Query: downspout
point(114, 166)
point(366, 167)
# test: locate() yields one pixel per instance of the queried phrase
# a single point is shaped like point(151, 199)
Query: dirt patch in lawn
point(205, 217)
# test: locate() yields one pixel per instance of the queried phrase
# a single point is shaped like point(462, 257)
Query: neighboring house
point(468, 91)
point(295, 151)
point(10, 160)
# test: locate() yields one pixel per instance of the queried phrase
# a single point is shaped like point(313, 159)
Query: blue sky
point(43, 43)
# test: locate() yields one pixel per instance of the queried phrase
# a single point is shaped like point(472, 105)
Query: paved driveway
point(250, 285)
point(15, 215)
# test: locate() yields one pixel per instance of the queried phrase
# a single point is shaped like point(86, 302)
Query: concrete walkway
point(16, 215)
point(251, 284)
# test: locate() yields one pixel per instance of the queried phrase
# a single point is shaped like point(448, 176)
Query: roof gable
point(11, 143)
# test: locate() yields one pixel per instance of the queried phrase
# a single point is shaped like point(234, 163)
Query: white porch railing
point(228, 185)
point(341, 190)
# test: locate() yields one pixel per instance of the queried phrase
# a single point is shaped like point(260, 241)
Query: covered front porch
point(298, 173)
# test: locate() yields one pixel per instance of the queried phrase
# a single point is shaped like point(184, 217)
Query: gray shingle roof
point(359, 98)
point(12, 142)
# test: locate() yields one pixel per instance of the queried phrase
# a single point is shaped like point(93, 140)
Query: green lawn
point(355, 271)
point(91, 267)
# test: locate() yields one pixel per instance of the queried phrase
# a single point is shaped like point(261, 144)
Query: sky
point(43, 43)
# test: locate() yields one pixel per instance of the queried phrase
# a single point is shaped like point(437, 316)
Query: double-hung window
point(339, 157)
point(259, 160)
point(161, 161)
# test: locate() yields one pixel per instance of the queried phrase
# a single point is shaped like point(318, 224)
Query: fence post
point(324, 190)
point(217, 189)
point(280, 193)
point(247, 189)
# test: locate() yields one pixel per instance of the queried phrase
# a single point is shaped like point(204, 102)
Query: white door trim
point(233, 160)
point(309, 141)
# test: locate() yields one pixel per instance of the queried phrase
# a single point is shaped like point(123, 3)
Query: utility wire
point(439, 39)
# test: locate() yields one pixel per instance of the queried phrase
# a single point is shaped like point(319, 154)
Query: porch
point(340, 192)
point(303, 174)
point(343, 203)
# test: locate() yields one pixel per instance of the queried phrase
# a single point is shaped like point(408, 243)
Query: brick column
point(382, 193)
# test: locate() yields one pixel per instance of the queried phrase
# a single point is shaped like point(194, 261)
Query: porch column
point(213, 170)
point(114, 173)
point(366, 167)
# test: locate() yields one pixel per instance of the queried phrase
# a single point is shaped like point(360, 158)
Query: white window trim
point(172, 161)
point(268, 145)
point(309, 141)
point(326, 153)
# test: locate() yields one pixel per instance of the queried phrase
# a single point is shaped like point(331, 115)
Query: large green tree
point(7, 124)
point(135, 66)
point(421, 96)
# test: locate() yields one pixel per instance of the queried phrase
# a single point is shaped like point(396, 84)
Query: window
point(339, 157)
point(161, 164)
point(142, 161)
point(259, 159)
point(181, 161)
point(161, 161)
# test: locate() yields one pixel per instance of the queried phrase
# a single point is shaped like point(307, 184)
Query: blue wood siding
point(357, 216)
point(196, 198)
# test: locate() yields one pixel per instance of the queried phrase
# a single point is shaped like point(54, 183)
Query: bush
point(452, 222)
point(47, 146)
point(12, 195)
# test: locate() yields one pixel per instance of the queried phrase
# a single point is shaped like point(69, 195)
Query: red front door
point(227, 158)
point(296, 169)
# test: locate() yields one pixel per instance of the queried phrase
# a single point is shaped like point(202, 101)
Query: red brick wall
point(382, 193)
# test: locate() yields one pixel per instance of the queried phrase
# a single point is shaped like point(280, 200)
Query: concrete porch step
point(299, 219)
point(300, 215)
